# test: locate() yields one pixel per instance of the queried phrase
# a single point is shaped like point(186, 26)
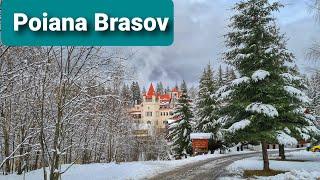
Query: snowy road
point(204, 170)
point(209, 169)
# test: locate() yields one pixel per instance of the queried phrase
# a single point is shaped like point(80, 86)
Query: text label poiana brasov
point(102, 23)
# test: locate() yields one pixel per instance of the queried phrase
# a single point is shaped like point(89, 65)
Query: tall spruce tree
point(206, 107)
point(220, 80)
point(296, 86)
point(179, 131)
point(160, 88)
point(126, 95)
point(226, 75)
point(232, 75)
point(136, 93)
point(264, 104)
point(314, 92)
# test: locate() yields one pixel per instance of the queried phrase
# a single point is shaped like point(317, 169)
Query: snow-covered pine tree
point(232, 75)
point(193, 93)
point(220, 80)
point(126, 95)
point(179, 131)
point(314, 93)
point(226, 75)
point(160, 88)
point(136, 93)
point(299, 102)
point(206, 106)
point(262, 104)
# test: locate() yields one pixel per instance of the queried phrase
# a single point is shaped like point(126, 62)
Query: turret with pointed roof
point(151, 92)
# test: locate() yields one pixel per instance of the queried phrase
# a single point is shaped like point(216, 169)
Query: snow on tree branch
point(225, 95)
point(290, 78)
point(285, 139)
point(294, 92)
point(239, 125)
point(239, 81)
point(261, 108)
point(260, 75)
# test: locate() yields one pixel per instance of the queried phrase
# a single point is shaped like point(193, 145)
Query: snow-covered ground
point(301, 165)
point(129, 170)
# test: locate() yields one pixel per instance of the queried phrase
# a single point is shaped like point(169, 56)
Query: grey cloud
point(199, 29)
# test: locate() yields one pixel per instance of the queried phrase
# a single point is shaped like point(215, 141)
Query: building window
point(148, 122)
point(149, 114)
point(167, 114)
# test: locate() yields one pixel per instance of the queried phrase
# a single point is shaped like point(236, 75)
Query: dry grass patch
point(252, 173)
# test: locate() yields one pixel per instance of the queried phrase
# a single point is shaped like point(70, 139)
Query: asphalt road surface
point(212, 168)
point(208, 169)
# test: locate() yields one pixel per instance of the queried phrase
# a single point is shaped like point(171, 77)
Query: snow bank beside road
point(306, 166)
point(255, 163)
point(303, 156)
point(294, 175)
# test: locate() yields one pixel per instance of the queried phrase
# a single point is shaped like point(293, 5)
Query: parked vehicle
point(315, 148)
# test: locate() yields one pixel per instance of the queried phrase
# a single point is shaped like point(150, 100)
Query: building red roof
point(162, 97)
point(165, 97)
point(151, 92)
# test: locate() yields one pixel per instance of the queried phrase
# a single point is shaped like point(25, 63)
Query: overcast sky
point(199, 29)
